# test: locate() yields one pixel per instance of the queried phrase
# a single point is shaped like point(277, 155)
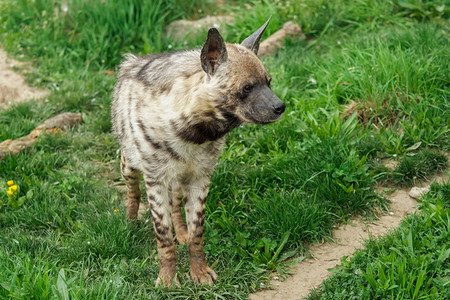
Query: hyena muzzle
point(171, 112)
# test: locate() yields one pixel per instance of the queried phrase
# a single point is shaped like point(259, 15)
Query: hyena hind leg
point(131, 177)
point(181, 231)
point(159, 202)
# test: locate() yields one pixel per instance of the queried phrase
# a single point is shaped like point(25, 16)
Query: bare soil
point(310, 273)
point(13, 88)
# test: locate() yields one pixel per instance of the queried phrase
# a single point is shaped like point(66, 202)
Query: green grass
point(412, 169)
point(412, 262)
point(276, 188)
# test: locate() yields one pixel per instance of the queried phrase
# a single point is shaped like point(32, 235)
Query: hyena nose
point(279, 108)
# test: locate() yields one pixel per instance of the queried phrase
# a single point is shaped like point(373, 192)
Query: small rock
point(183, 30)
point(271, 44)
point(417, 192)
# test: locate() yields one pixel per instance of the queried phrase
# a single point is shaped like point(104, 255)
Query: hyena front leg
point(195, 217)
point(158, 199)
point(181, 231)
point(131, 178)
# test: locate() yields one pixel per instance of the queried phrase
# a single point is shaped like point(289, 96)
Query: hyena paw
point(167, 279)
point(204, 275)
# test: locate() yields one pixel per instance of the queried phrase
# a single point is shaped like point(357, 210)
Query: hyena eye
point(248, 88)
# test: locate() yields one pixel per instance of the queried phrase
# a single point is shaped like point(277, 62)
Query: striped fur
point(170, 113)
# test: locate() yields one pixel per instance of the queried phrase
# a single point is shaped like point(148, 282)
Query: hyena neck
point(208, 114)
point(207, 128)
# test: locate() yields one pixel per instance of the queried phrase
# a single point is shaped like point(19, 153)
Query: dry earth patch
point(13, 88)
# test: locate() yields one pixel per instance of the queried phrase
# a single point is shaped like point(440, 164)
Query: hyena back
point(171, 113)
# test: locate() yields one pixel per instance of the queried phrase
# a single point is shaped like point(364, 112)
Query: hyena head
point(244, 80)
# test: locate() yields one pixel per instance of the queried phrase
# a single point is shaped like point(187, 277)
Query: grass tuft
point(420, 166)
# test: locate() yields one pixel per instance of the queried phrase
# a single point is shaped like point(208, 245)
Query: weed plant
point(276, 188)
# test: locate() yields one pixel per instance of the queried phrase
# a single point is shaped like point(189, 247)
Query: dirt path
point(310, 273)
point(13, 88)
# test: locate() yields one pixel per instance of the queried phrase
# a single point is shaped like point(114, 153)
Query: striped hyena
point(171, 112)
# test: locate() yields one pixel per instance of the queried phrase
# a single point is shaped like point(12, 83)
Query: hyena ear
point(252, 42)
point(214, 52)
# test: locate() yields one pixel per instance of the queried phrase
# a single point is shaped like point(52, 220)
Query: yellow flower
point(116, 210)
point(10, 192)
point(10, 182)
point(13, 187)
